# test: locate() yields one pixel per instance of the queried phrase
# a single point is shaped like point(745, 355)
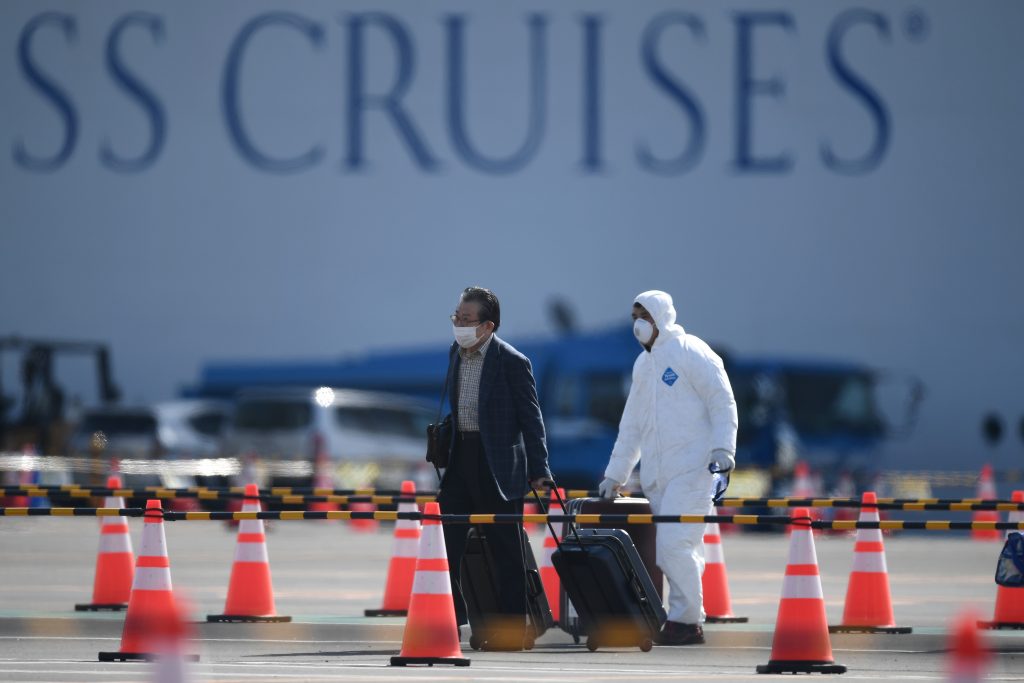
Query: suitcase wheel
point(474, 642)
point(646, 644)
point(529, 642)
point(592, 643)
point(576, 639)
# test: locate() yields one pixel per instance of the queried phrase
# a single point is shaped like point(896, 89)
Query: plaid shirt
point(469, 386)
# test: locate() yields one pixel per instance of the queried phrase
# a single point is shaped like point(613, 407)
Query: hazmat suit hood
point(659, 305)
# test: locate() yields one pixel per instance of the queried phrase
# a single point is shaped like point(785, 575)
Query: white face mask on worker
point(643, 331)
point(465, 336)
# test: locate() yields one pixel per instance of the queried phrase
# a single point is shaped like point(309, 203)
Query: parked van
point(360, 434)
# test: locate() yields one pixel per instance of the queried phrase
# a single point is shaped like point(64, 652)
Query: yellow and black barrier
point(590, 519)
point(300, 496)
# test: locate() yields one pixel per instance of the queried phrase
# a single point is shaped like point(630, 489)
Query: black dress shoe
point(674, 633)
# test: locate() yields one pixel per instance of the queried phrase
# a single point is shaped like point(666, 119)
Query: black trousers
point(468, 488)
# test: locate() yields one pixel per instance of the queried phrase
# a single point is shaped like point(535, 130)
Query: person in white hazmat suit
point(680, 418)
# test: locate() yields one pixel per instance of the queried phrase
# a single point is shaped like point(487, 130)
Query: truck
point(834, 415)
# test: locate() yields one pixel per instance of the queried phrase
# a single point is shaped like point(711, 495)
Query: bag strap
point(444, 391)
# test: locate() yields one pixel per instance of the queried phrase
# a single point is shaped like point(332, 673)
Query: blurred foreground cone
point(431, 635)
point(715, 581)
point(112, 584)
point(986, 491)
point(171, 661)
point(548, 575)
point(250, 592)
point(1009, 600)
point(402, 567)
point(868, 601)
point(152, 612)
point(801, 643)
point(968, 658)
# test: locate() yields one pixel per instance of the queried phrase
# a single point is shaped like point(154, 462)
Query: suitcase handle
point(561, 503)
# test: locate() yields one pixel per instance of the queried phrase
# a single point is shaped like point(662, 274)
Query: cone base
point(97, 607)
point(385, 612)
point(842, 628)
point(429, 661)
point(726, 620)
point(244, 618)
point(1001, 625)
point(139, 657)
point(800, 667)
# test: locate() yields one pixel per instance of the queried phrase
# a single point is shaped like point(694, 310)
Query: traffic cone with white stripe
point(112, 583)
point(431, 634)
point(152, 612)
point(250, 592)
point(402, 568)
point(1009, 600)
point(715, 581)
point(548, 575)
point(986, 491)
point(868, 601)
point(803, 487)
point(801, 643)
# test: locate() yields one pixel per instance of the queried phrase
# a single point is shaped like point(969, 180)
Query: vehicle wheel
point(592, 643)
point(646, 644)
point(474, 642)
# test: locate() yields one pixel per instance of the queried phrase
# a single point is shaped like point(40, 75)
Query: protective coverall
point(680, 408)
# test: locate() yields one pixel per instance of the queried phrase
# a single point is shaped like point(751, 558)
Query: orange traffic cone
point(171, 657)
point(715, 581)
point(968, 656)
point(112, 584)
point(1009, 601)
point(548, 575)
point(431, 634)
point(402, 568)
point(323, 478)
point(250, 592)
point(530, 508)
point(363, 525)
point(803, 487)
point(868, 601)
point(151, 607)
point(801, 643)
point(986, 491)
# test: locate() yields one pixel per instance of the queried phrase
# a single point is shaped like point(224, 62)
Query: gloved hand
point(722, 460)
point(609, 488)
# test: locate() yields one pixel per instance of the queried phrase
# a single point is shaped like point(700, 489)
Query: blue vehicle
point(827, 414)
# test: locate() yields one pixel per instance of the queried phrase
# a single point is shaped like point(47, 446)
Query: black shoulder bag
point(439, 434)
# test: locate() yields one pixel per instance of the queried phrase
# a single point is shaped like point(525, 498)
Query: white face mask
point(465, 336)
point(643, 331)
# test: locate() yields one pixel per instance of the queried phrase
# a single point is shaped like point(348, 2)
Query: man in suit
point(498, 449)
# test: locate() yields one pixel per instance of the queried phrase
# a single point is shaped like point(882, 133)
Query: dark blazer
point(511, 426)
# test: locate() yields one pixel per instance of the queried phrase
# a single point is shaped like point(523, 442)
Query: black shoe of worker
point(674, 633)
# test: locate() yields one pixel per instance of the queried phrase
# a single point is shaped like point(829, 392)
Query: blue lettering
point(359, 100)
point(691, 154)
point(747, 86)
point(455, 25)
point(232, 113)
point(50, 90)
point(592, 161)
point(859, 88)
point(137, 91)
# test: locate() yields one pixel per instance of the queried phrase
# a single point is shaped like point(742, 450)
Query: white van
point(350, 427)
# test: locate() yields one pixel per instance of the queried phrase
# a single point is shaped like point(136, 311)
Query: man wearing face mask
point(680, 417)
point(499, 448)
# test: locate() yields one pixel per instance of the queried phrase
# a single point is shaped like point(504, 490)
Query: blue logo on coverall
point(669, 377)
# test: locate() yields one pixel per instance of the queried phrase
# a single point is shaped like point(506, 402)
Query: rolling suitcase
point(608, 585)
point(481, 590)
point(643, 536)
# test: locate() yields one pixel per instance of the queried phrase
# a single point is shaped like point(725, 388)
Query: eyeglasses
point(462, 322)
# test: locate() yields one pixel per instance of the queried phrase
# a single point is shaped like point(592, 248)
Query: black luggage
point(615, 601)
point(481, 590)
point(643, 536)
